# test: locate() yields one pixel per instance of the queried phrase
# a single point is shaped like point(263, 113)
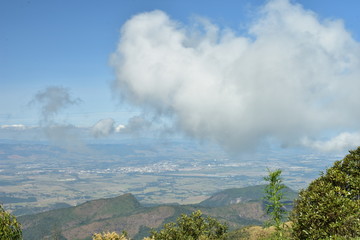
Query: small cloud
point(119, 128)
point(65, 136)
point(341, 142)
point(136, 125)
point(104, 128)
point(14, 127)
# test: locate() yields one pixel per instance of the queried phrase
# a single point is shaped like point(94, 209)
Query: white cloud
point(136, 125)
point(342, 142)
point(106, 127)
point(14, 127)
point(103, 128)
point(291, 76)
point(119, 128)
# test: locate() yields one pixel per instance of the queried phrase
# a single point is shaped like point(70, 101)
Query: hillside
point(237, 207)
point(242, 195)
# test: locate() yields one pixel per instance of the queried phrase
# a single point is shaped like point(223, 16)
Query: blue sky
point(68, 44)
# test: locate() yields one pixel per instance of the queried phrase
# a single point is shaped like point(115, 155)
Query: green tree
point(193, 227)
point(330, 206)
point(9, 227)
point(274, 197)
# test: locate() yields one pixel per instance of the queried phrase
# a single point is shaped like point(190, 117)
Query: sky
point(238, 73)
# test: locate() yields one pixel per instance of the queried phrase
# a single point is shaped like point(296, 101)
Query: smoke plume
point(52, 101)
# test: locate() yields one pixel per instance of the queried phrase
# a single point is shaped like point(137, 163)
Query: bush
point(330, 207)
point(193, 227)
point(9, 226)
point(109, 236)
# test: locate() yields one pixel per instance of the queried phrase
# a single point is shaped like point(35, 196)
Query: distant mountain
point(236, 207)
point(243, 195)
point(72, 222)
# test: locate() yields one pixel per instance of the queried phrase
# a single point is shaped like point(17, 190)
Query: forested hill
point(243, 195)
point(237, 207)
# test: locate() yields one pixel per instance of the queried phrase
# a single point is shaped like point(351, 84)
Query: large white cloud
point(290, 76)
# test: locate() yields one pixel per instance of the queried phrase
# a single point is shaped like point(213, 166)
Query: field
point(38, 177)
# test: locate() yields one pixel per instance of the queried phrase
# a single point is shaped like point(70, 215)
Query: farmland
point(38, 177)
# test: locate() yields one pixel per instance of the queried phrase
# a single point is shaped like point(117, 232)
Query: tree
point(274, 197)
point(330, 206)
point(9, 227)
point(193, 227)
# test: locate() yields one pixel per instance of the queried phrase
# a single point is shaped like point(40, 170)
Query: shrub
point(109, 236)
point(9, 227)
point(193, 227)
point(330, 207)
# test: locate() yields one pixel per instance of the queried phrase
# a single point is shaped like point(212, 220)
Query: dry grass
point(264, 233)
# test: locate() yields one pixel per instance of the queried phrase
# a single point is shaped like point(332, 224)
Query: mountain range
point(236, 207)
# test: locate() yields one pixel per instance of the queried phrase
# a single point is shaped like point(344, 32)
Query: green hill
point(243, 195)
point(126, 213)
point(51, 222)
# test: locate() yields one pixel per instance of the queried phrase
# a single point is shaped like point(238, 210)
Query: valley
point(235, 207)
point(40, 177)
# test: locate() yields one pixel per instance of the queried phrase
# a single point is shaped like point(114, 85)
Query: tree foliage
point(274, 197)
point(193, 227)
point(109, 236)
point(9, 227)
point(330, 206)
